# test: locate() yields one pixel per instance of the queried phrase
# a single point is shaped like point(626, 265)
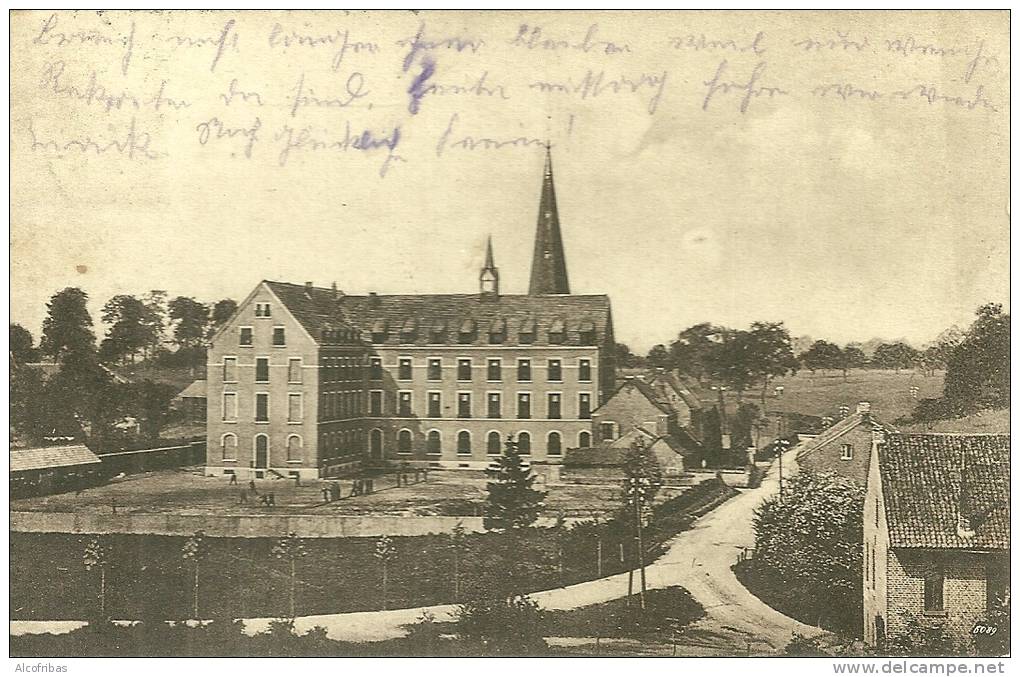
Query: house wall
point(278, 428)
point(875, 560)
point(964, 588)
point(479, 425)
point(826, 458)
point(628, 408)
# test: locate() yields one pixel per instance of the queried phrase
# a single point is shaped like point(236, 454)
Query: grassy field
point(822, 393)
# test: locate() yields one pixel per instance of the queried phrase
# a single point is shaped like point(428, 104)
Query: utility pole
point(640, 545)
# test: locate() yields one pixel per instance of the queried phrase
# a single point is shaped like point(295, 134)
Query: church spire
point(549, 264)
point(488, 279)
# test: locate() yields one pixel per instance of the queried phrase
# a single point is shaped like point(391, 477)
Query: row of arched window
point(261, 448)
point(494, 442)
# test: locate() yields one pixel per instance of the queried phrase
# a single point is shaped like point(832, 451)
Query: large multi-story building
point(306, 381)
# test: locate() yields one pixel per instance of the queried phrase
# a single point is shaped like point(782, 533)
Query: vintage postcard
point(510, 333)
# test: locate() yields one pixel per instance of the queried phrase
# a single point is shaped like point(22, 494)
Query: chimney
point(373, 299)
point(864, 407)
point(336, 292)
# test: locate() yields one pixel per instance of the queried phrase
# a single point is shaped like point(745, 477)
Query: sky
point(844, 173)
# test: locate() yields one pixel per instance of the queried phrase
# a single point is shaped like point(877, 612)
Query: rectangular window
point(229, 406)
point(554, 408)
point(230, 370)
point(294, 407)
point(608, 431)
point(261, 370)
point(404, 403)
point(463, 405)
point(404, 369)
point(435, 405)
point(933, 584)
point(294, 370)
point(584, 405)
point(464, 369)
point(523, 405)
point(435, 369)
point(524, 370)
point(846, 452)
point(279, 336)
point(495, 408)
point(246, 336)
point(261, 407)
point(584, 371)
point(375, 369)
point(375, 403)
point(555, 368)
point(495, 369)
point(262, 310)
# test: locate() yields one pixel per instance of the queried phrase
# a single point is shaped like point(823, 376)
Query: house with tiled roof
point(603, 464)
point(844, 447)
point(936, 531)
point(308, 381)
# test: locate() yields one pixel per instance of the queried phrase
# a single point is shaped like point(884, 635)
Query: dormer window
point(557, 332)
point(586, 331)
point(408, 330)
point(379, 331)
point(437, 332)
point(262, 310)
point(466, 332)
point(497, 331)
point(527, 332)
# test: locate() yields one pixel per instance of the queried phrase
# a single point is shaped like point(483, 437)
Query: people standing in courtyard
point(244, 497)
point(233, 479)
point(327, 494)
point(251, 487)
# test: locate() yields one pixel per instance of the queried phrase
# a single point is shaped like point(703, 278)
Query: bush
point(923, 637)
point(504, 627)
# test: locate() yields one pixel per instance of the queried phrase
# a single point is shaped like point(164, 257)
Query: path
point(698, 559)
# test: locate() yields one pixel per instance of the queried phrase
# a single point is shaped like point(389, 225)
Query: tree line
point(85, 399)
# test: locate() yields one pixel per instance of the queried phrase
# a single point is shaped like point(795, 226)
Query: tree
point(290, 549)
point(385, 552)
point(894, 356)
point(222, 311)
point(129, 332)
point(694, 349)
point(808, 545)
point(730, 364)
point(28, 404)
point(21, 345)
point(742, 430)
point(458, 545)
point(977, 373)
point(503, 625)
point(194, 551)
point(821, 355)
point(769, 353)
point(512, 502)
point(67, 329)
point(190, 322)
point(95, 555)
point(712, 437)
point(642, 479)
point(625, 358)
point(659, 357)
point(155, 319)
point(852, 357)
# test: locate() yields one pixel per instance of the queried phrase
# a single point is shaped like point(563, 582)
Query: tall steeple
point(549, 265)
point(488, 279)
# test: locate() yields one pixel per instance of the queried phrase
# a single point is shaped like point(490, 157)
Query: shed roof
point(41, 458)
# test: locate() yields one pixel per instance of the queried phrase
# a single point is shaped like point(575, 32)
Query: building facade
point(936, 532)
point(844, 447)
point(307, 381)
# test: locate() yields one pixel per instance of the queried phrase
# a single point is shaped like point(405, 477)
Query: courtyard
point(187, 491)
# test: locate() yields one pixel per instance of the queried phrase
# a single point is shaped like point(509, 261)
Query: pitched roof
point(839, 428)
point(923, 477)
point(194, 389)
point(665, 381)
point(595, 456)
point(317, 308)
point(40, 458)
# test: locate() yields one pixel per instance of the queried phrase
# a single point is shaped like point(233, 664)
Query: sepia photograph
point(510, 333)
